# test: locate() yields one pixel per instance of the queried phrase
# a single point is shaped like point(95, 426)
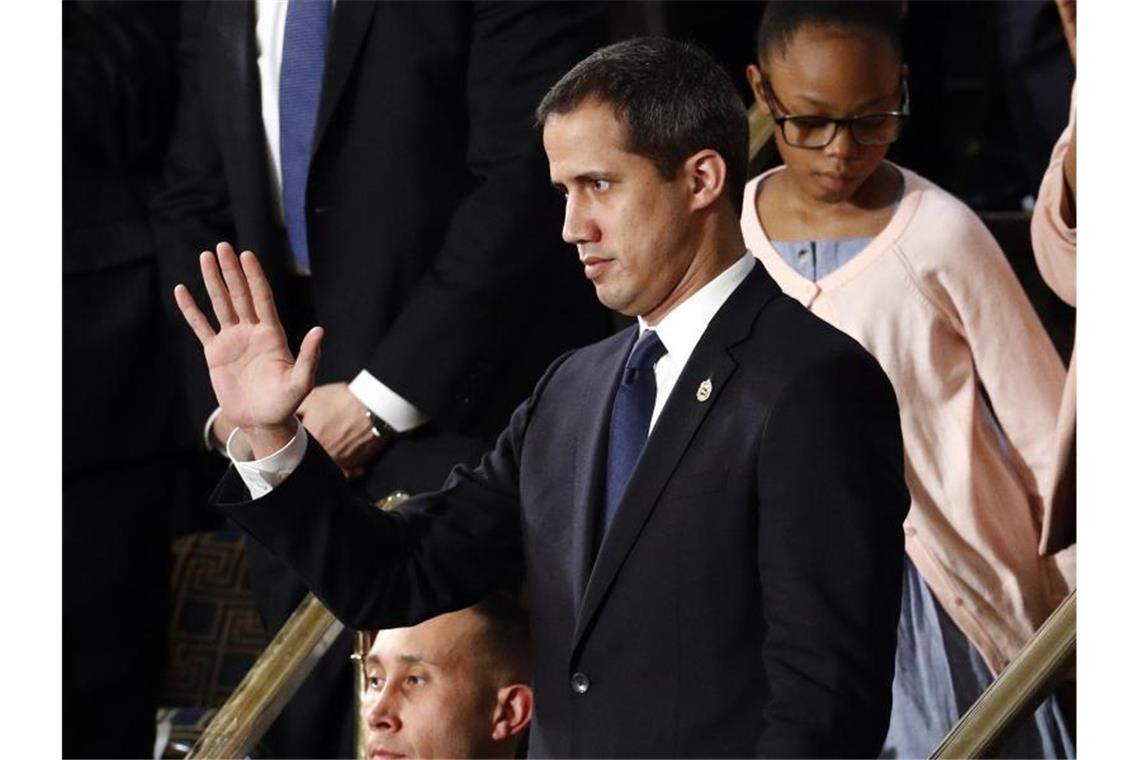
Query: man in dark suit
point(706, 507)
point(398, 197)
point(123, 466)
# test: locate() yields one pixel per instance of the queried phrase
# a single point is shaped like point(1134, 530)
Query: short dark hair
point(783, 18)
point(673, 99)
point(507, 633)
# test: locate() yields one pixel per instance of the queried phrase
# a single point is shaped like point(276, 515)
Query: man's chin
point(614, 301)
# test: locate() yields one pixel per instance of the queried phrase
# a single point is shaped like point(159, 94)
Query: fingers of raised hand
point(305, 368)
point(219, 295)
point(193, 315)
point(260, 292)
point(236, 284)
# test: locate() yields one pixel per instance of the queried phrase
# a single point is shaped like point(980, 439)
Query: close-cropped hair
point(507, 635)
point(783, 18)
point(673, 99)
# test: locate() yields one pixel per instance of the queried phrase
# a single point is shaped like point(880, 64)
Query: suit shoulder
point(791, 346)
point(592, 354)
point(582, 363)
point(818, 388)
point(788, 330)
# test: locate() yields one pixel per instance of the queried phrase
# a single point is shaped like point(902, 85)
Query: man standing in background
point(124, 458)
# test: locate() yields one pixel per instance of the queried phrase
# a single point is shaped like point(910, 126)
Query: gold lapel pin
point(705, 390)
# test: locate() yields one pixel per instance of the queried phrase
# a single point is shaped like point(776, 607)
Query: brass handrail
point(270, 683)
point(1020, 688)
point(276, 676)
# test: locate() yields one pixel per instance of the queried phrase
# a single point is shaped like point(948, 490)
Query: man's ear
point(707, 175)
point(756, 84)
point(513, 710)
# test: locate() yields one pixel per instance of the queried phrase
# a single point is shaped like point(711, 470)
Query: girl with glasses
point(913, 275)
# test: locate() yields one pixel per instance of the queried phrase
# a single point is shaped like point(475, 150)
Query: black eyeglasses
point(814, 132)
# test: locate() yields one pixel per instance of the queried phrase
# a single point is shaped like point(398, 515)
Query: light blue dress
point(938, 672)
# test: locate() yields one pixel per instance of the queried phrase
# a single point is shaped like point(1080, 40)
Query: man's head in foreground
point(456, 685)
point(648, 141)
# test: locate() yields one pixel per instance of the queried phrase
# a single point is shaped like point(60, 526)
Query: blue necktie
point(302, 65)
point(629, 422)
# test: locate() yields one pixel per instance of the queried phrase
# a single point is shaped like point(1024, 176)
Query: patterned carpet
point(215, 631)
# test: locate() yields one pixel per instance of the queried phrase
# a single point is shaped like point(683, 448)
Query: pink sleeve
point(971, 282)
point(1054, 242)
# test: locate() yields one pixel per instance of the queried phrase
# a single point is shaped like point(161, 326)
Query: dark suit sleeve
point(832, 502)
point(435, 553)
point(191, 211)
point(498, 251)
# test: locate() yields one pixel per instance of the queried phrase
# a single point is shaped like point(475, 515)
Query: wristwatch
point(380, 428)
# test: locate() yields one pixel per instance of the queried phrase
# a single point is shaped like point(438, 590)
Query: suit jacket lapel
point(350, 24)
point(672, 434)
point(590, 466)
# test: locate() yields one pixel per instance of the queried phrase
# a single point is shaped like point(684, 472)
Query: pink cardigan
point(934, 299)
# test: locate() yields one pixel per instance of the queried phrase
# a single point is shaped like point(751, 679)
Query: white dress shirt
point(382, 400)
point(680, 331)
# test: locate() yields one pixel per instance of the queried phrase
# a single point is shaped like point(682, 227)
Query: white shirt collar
point(681, 329)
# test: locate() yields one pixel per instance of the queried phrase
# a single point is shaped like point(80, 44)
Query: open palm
point(255, 378)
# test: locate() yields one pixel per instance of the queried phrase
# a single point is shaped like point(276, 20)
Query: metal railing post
point(279, 672)
point(1020, 688)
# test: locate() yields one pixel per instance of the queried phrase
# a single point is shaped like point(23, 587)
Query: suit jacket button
point(580, 683)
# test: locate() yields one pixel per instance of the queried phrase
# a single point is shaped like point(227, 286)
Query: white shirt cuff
point(208, 434)
point(263, 475)
point(385, 403)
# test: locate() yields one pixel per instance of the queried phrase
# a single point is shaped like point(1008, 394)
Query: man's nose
point(578, 225)
point(382, 713)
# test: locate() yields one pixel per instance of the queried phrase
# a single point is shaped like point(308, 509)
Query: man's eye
point(601, 184)
point(414, 680)
point(375, 683)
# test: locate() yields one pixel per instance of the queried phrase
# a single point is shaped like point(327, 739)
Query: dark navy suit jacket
point(746, 597)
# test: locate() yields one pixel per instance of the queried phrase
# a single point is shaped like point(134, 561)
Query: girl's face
point(838, 73)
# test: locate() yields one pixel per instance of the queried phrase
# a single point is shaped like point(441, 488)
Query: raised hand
point(258, 384)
